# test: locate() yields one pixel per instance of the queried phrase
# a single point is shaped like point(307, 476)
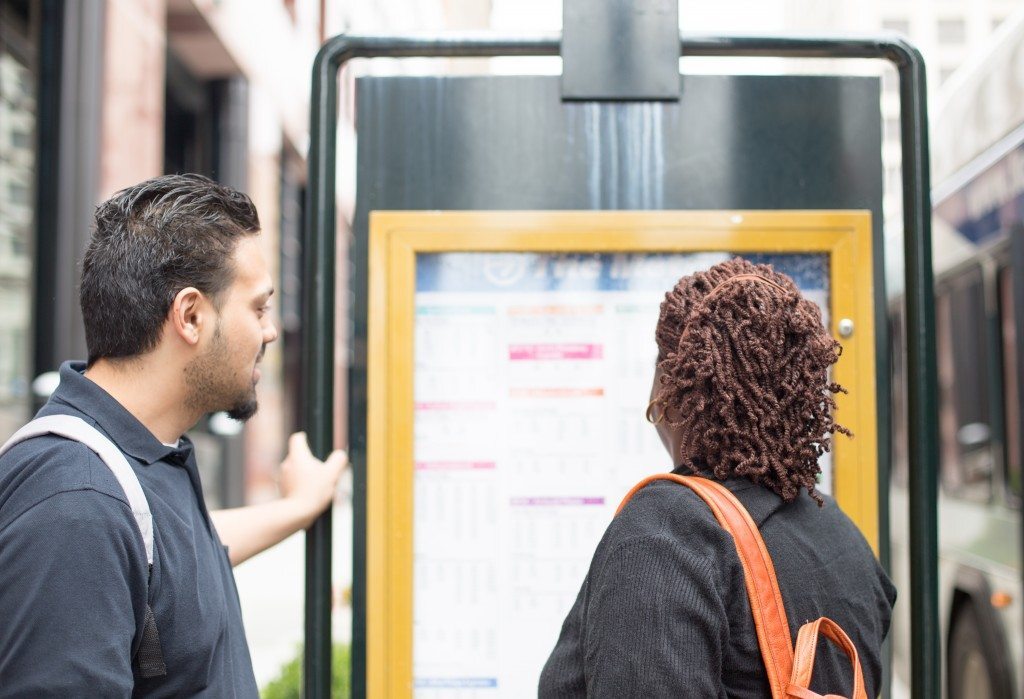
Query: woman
point(741, 395)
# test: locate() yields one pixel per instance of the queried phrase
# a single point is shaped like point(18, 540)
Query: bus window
point(1011, 396)
point(963, 357)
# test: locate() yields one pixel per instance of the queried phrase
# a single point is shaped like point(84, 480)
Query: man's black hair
point(151, 241)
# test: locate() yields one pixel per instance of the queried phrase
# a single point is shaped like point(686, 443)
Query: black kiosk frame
point(319, 252)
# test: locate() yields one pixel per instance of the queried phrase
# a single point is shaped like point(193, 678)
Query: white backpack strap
point(79, 430)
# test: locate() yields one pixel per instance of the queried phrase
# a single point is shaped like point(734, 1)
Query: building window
point(292, 209)
point(964, 357)
point(952, 31)
point(891, 128)
point(890, 82)
point(1011, 392)
point(901, 26)
point(19, 30)
point(894, 179)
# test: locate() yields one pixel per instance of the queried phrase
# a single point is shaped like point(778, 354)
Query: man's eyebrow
point(266, 294)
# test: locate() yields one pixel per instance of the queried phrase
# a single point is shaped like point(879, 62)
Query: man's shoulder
point(42, 467)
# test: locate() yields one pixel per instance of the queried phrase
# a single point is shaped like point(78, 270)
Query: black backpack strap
point(150, 658)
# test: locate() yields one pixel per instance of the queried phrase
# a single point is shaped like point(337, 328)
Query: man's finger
point(338, 459)
point(297, 444)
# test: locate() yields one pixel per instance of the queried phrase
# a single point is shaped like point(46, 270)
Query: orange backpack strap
point(762, 586)
point(806, 646)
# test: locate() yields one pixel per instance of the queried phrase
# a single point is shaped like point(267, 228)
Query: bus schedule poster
point(517, 382)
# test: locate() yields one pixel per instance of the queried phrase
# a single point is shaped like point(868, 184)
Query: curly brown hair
point(745, 379)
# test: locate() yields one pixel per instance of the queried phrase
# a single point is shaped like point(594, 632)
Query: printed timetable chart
point(532, 373)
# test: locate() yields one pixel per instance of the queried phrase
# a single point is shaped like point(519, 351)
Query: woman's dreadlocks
point(745, 377)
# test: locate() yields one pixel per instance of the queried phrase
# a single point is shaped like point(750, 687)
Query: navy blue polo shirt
point(73, 573)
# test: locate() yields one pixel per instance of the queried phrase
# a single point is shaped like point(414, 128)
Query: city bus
point(978, 244)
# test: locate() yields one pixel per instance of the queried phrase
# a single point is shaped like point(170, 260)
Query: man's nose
point(270, 334)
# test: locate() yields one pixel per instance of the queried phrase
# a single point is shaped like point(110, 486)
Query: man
point(175, 294)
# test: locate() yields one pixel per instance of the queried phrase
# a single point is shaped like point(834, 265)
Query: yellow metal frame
point(395, 240)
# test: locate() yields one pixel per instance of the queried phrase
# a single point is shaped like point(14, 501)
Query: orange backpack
point(789, 670)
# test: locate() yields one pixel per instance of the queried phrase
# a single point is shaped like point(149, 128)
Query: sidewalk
point(272, 590)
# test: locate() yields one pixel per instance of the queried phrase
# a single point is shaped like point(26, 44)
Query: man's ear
point(190, 313)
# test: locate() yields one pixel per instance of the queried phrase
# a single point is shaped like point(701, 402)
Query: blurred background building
point(99, 94)
point(96, 95)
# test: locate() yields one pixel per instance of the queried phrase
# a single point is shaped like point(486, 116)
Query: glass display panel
point(532, 373)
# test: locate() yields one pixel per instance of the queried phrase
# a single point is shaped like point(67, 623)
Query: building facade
point(96, 95)
point(99, 94)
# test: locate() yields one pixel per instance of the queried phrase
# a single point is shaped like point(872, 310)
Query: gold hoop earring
point(647, 413)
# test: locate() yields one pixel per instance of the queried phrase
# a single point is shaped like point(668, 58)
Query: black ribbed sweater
point(663, 611)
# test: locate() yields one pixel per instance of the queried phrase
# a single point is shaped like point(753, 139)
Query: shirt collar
point(759, 501)
point(123, 428)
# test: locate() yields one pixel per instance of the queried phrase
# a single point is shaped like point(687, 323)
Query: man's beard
point(212, 386)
